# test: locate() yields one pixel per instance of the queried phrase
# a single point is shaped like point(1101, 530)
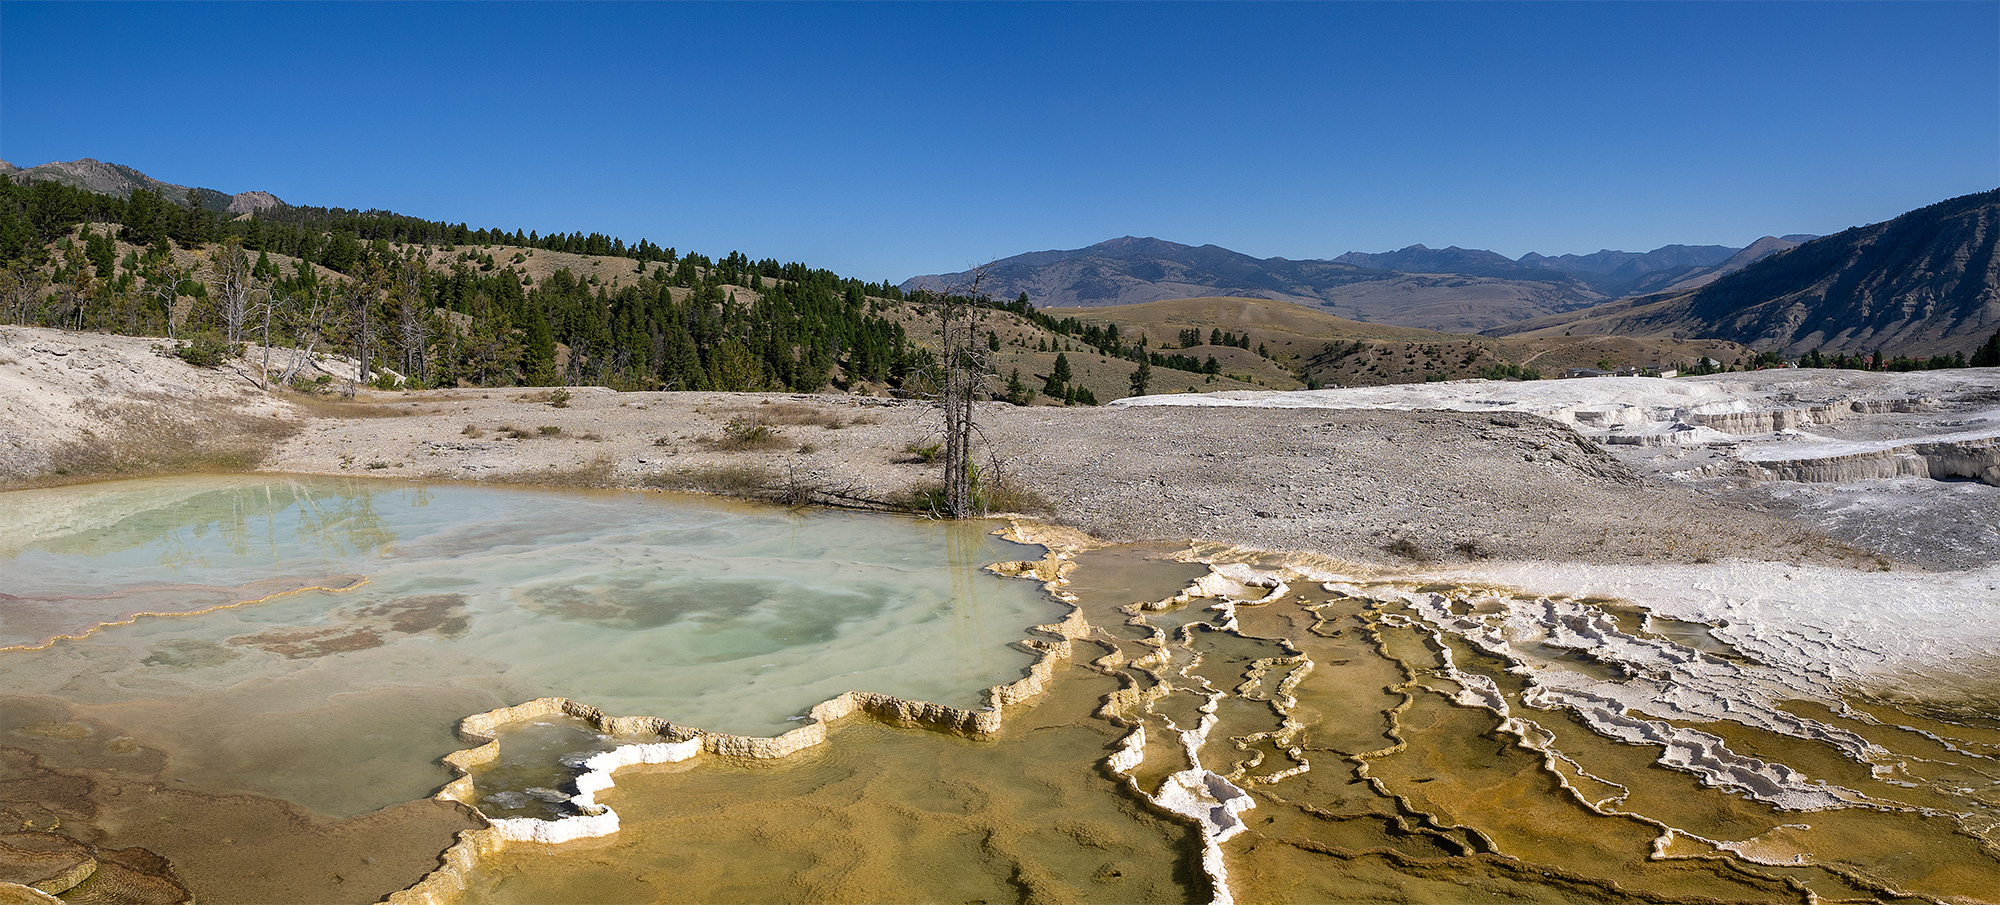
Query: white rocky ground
point(1906, 465)
point(1888, 462)
point(1740, 475)
point(1782, 510)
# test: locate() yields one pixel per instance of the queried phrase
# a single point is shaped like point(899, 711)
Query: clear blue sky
point(887, 140)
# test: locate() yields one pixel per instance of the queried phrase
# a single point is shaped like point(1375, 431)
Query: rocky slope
point(120, 180)
point(1924, 283)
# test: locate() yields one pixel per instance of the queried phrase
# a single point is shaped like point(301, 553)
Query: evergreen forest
point(427, 304)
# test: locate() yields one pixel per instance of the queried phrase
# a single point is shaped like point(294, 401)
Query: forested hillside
point(424, 304)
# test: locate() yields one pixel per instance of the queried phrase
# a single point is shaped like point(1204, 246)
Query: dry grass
point(162, 436)
point(592, 474)
point(746, 435)
point(799, 414)
point(557, 398)
point(510, 432)
point(739, 480)
point(1011, 495)
point(993, 493)
point(324, 407)
point(917, 452)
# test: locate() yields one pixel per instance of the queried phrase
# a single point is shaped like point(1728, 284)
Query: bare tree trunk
point(232, 283)
point(367, 343)
point(169, 292)
point(264, 370)
point(415, 337)
point(299, 359)
point(361, 300)
point(962, 366)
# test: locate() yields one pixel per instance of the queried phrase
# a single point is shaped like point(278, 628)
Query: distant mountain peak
point(1131, 270)
point(1451, 288)
point(1126, 244)
point(117, 179)
point(1924, 283)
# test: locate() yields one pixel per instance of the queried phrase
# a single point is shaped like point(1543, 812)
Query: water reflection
point(208, 523)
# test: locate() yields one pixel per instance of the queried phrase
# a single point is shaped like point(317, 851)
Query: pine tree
point(1057, 384)
point(1988, 355)
point(1016, 392)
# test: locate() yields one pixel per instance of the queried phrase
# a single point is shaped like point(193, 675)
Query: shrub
point(204, 350)
point(1408, 548)
point(992, 491)
point(743, 434)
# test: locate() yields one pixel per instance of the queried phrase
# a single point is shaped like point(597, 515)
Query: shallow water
point(1400, 740)
point(168, 628)
point(878, 814)
point(1391, 757)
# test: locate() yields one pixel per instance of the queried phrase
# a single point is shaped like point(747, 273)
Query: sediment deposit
point(1328, 736)
point(1615, 639)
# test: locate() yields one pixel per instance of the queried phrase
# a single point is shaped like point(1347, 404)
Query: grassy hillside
point(1304, 345)
point(438, 304)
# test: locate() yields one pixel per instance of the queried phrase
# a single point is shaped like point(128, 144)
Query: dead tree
point(313, 315)
point(361, 307)
point(959, 371)
point(166, 280)
point(232, 272)
point(412, 309)
point(271, 300)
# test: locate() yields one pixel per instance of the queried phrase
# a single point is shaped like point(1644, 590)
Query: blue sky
point(886, 140)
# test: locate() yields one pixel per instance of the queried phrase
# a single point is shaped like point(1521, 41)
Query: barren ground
point(1366, 485)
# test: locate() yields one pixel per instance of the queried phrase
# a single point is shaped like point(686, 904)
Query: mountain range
point(122, 181)
point(1450, 289)
point(1924, 283)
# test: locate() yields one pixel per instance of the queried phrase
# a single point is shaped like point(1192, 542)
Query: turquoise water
point(457, 599)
